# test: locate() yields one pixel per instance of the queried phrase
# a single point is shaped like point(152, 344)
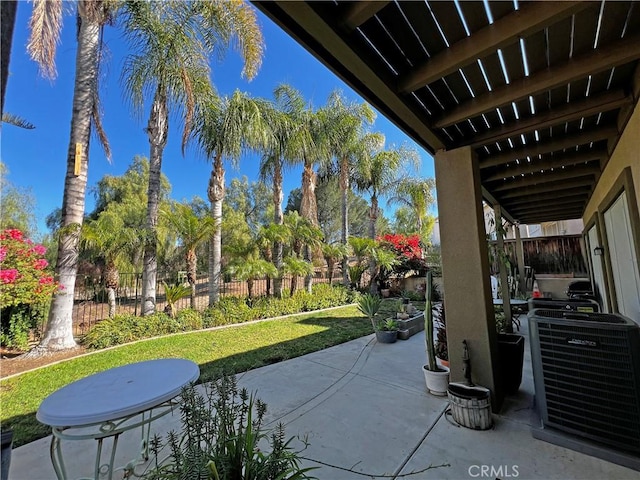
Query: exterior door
point(624, 263)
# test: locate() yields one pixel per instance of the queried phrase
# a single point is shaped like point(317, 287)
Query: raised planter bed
point(410, 326)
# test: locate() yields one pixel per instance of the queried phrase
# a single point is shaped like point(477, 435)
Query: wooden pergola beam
point(556, 161)
point(361, 11)
point(558, 116)
point(538, 178)
point(569, 196)
point(551, 217)
point(565, 141)
point(521, 23)
point(537, 189)
point(618, 53)
point(548, 208)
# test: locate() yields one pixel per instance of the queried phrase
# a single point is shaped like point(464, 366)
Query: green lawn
point(233, 350)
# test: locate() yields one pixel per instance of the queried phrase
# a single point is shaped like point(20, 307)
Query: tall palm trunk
point(373, 216)
point(344, 190)
point(278, 219)
point(157, 130)
point(216, 193)
point(112, 280)
point(309, 209)
point(59, 331)
point(192, 265)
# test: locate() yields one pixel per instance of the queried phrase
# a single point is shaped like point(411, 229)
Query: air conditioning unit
point(574, 304)
point(586, 370)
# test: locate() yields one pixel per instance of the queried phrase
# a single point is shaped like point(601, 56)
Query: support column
point(504, 275)
point(520, 259)
point(465, 269)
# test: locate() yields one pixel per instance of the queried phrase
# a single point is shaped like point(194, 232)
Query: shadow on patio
point(364, 409)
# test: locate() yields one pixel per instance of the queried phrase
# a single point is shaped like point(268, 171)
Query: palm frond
point(17, 121)
point(45, 26)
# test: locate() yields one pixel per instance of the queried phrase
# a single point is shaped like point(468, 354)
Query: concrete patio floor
point(364, 408)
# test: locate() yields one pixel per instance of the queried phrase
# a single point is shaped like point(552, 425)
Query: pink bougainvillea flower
point(39, 250)
point(14, 233)
point(3, 253)
point(40, 264)
point(45, 280)
point(8, 276)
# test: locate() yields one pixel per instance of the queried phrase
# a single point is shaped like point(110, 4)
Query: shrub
point(26, 285)
point(229, 310)
point(190, 319)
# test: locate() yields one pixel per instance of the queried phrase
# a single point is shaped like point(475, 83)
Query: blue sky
point(37, 158)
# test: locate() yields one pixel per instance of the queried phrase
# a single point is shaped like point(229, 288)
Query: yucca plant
point(369, 305)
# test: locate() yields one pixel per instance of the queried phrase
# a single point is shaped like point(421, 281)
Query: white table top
point(512, 301)
point(117, 393)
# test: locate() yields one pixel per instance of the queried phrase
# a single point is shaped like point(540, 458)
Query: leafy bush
point(190, 319)
point(26, 285)
point(229, 310)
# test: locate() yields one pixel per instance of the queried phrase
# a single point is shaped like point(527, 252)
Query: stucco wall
point(626, 154)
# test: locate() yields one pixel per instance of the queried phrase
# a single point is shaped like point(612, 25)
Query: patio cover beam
point(545, 177)
point(551, 218)
point(569, 206)
point(537, 189)
point(546, 201)
point(616, 54)
point(535, 149)
point(521, 23)
point(361, 11)
point(556, 161)
point(557, 116)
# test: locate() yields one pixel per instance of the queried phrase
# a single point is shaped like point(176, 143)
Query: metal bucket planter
point(470, 406)
point(437, 380)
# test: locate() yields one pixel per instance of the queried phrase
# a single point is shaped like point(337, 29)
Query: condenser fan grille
point(587, 372)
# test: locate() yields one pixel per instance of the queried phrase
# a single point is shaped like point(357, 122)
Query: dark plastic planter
point(386, 336)
point(511, 352)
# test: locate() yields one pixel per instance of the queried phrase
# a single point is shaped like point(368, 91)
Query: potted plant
point(440, 324)
point(402, 312)
point(369, 305)
point(510, 354)
point(436, 376)
point(387, 331)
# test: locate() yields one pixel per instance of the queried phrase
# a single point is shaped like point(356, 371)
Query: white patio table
point(105, 405)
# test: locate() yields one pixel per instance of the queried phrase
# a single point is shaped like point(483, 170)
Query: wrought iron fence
point(91, 303)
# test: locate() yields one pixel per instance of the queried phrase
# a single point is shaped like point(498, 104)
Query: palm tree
point(269, 238)
point(346, 124)
point(304, 236)
point(224, 131)
point(286, 145)
point(332, 253)
point(192, 231)
point(378, 174)
point(417, 194)
point(45, 24)
point(173, 42)
point(113, 241)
